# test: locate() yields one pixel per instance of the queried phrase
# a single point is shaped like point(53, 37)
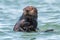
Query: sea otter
point(28, 20)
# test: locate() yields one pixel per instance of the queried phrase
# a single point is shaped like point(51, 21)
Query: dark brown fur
point(28, 20)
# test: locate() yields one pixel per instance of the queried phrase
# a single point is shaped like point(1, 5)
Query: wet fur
point(28, 20)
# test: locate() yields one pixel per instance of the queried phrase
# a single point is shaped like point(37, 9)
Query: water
point(48, 17)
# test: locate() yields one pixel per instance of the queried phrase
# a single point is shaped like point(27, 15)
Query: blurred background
point(48, 18)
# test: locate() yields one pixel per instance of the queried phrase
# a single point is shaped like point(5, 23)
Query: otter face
point(30, 11)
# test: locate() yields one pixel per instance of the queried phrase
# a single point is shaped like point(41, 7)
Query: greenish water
point(48, 18)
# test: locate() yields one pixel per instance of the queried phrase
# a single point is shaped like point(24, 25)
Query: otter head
point(30, 11)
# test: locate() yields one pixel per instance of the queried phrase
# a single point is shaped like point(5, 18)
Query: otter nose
point(27, 11)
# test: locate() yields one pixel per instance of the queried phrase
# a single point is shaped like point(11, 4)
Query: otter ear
point(24, 11)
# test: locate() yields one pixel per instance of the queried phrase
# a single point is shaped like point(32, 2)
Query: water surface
point(48, 18)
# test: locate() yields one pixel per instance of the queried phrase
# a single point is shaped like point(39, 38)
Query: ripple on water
point(48, 17)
